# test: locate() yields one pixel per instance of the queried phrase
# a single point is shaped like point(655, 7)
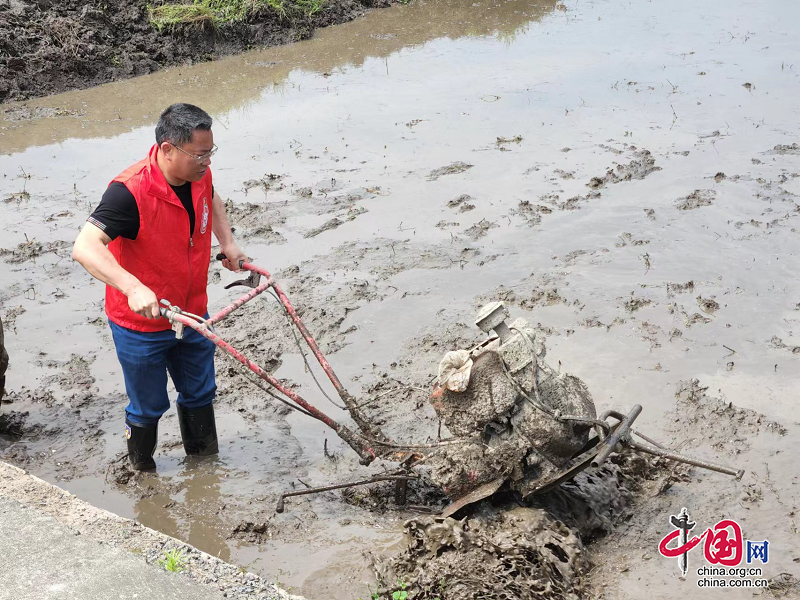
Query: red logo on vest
point(204, 221)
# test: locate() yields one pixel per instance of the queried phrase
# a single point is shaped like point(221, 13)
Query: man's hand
point(234, 256)
point(143, 301)
point(91, 251)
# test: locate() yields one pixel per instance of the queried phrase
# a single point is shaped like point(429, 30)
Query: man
point(150, 239)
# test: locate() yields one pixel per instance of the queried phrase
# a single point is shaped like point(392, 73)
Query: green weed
point(282, 585)
point(400, 594)
point(277, 6)
point(309, 7)
point(217, 12)
point(228, 11)
point(173, 561)
point(170, 15)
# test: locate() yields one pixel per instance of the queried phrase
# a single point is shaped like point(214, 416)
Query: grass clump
point(228, 11)
point(170, 15)
point(308, 7)
point(218, 12)
point(173, 561)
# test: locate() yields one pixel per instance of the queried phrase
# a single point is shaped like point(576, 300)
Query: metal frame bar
point(356, 442)
point(350, 402)
point(399, 479)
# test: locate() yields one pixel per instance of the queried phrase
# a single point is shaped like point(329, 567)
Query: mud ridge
point(640, 167)
point(51, 47)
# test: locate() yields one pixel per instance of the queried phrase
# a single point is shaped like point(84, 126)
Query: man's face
point(182, 161)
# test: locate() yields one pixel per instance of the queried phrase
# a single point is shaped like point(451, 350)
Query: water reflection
point(190, 512)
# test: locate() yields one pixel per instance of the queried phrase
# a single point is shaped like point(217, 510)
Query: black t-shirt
point(118, 214)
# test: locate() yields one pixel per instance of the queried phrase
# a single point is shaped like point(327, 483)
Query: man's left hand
point(234, 256)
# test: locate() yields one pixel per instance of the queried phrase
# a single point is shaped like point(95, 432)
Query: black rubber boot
point(141, 445)
point(198, 430)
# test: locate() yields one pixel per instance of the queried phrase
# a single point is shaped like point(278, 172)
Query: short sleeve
point(117, 214)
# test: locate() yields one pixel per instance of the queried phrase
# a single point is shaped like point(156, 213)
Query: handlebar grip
point(221, 256)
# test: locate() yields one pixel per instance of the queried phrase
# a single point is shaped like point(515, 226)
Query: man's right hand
point(143, 301)
point(91, 251)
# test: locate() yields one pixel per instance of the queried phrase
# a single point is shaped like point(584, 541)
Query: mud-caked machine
point(523, 425)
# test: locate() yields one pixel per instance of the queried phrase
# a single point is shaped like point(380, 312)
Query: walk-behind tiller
point(517, 424)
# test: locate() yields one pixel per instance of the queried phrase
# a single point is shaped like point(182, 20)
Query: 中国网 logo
point(723, 548)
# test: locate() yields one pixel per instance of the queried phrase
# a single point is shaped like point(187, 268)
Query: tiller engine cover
point(506, 408)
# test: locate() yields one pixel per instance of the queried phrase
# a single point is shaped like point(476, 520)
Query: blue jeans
point(147, 356)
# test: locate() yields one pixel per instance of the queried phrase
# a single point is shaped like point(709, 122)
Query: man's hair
point(177, 123)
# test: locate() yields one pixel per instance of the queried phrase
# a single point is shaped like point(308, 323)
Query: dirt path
point(641, 210)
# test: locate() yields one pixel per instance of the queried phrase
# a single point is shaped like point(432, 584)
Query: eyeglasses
point(202, 158)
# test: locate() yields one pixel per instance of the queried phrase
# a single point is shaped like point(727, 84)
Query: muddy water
point(539, 101)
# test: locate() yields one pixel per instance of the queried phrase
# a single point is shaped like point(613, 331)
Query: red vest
point(165, 256)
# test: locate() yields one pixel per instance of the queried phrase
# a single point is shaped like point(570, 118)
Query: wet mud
point(697, 199)
point(520, 553)
point(640, 167)
point(735, 434)
point(553, 188)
